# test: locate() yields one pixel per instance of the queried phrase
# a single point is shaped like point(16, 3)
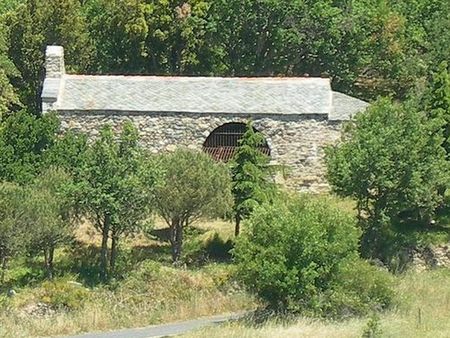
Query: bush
point(295, 256)
point(63, 294)
point(360, 288)
point(24, 139)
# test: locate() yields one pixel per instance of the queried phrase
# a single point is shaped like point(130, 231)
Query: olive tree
point(193, 186)
point(51, 213)
point(116, 188)
point(13, 224)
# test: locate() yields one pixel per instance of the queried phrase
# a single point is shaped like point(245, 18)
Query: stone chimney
point(54, 71)
point(54, 62)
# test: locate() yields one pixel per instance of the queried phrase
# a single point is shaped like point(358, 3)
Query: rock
point(39, 310)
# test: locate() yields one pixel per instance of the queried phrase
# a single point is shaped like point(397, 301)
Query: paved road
point(163, 330)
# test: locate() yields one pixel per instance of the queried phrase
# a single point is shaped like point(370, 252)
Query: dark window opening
point(222, 143)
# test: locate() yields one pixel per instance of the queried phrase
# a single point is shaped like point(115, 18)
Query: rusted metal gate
point(222, 143)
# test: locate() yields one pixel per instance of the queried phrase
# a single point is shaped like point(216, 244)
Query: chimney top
point(54, 62)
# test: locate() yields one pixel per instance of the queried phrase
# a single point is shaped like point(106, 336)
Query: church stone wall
point(296, 142)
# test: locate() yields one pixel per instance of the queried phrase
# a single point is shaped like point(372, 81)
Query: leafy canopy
point(390, 160)
point(295, 254)
point(193, 186)
point(24, 139)
point(115, 191)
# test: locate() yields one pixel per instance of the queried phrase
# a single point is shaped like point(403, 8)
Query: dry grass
point(146, 297)
point(150, 294)
point(423, 311)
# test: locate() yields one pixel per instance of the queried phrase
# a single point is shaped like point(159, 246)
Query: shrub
point(51, 214)
point(359, 288)
point(294, 256)
point(63, 294)
point(14, 235)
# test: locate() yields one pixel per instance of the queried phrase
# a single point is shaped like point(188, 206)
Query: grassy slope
point(151, 291)
point(423, 310)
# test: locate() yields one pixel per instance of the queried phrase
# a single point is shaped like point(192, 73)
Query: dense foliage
point(297, 255)
point(194, 186)
point(115, 190)
point(24, 139)
point(367, 48)
point(51, 212)
point(300, 254)
point(391, 161)
point(250, 173)
point(13, 221)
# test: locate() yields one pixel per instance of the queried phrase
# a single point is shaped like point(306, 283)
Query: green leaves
point(391, 164)
point(367, 48)
point(23, 140)
point(193, 186)
point(30, 27)
point(13, 223)
point(8, 95)
point(250, 174)
point(292, 255)
point(115, 187)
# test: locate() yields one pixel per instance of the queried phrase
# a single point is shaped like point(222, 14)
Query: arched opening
point(222, 143)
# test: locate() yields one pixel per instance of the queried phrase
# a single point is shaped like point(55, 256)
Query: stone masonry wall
point(295, 141)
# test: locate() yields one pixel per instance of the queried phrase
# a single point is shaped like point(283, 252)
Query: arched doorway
point(222, 143)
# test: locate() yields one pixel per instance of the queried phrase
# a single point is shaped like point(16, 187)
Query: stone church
point(297, 116)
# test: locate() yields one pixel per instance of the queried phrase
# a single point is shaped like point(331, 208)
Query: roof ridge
point(193, 78)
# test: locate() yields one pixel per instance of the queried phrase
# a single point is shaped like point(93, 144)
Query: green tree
point(298, 254)
point(23, 140)
point(391, 165)
point(274, 36)
point(8, 95)
point(119, 30)
point(51, 213)
point(250, 172)
point(115, 192)
point(194, 186)
point(32, 26)
point(14, 234)
point(68, 152)
point(7, 5)
point(437, 102)
point(157, 37)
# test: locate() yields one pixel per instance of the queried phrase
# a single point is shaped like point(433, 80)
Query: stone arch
point(222, 142)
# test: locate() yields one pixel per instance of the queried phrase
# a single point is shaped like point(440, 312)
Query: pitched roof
point(345, 106)
point(274, 95)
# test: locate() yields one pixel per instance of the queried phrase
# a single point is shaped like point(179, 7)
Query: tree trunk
point(104, 248)
point(51, 251)
point(3, 267)
point(48, 261)
point(114, 243)
point(176, 239)
point(237, 228)
point(179, 240)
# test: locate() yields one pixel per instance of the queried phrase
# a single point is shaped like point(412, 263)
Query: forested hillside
point(367, 47)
